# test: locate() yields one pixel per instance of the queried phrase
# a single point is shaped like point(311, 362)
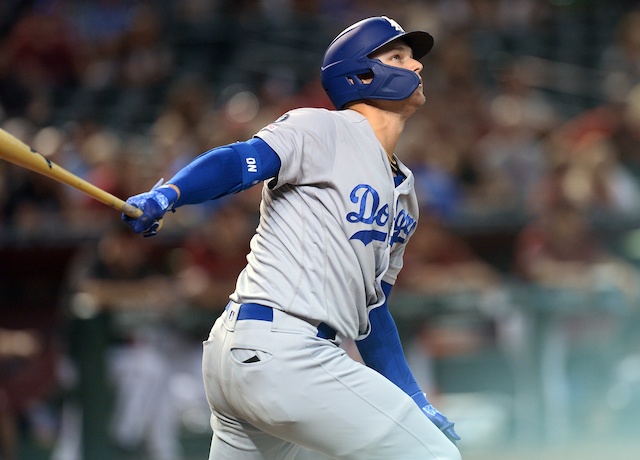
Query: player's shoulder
point(301, 120)
point(349, 116)
point(313, 121)
point(308, 113)
point(316, 115)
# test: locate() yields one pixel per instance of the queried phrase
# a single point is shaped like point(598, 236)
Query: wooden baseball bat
point(17, 152)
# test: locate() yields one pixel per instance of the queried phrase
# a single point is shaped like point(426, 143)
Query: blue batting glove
point(441, 422)
point(153, 204)
point(436, 417)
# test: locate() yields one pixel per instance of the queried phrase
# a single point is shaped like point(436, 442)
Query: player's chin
point(418, 98)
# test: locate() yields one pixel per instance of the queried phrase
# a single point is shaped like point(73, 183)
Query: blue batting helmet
point(347, 59)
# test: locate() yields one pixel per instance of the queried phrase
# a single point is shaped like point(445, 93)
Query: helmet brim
point(420, 43)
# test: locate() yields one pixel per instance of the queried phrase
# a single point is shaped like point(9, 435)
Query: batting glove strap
point(167, 197)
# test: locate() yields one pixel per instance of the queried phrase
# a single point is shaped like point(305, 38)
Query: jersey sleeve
point(305, 140)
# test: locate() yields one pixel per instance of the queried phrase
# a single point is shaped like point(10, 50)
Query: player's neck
point(387, 126)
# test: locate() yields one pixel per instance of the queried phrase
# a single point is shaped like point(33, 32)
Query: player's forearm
point(382, 349)
point(224, 170)
point(213, 174)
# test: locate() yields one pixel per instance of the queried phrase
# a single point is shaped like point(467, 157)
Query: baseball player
point(337, 211)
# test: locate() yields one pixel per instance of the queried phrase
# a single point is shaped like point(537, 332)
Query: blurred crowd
point(532, 126)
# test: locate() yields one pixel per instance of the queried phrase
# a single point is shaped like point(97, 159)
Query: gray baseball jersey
point(333, 225)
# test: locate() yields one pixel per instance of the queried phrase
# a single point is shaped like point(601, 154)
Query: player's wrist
point(169, 195)
point(175, 188)
point(420, 399)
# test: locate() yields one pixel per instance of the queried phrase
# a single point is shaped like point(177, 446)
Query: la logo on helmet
point(394, 24)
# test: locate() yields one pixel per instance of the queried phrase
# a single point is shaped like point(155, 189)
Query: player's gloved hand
point(441, 422)
point(154, 204)
point(437, 417)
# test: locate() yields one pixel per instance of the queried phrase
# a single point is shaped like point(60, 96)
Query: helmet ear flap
point(373, 80)
point(365, 78)
point(390, 83)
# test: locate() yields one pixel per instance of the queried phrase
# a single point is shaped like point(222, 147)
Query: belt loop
point(231, 315)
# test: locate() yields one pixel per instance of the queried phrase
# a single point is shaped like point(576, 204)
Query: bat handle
point(131, 210)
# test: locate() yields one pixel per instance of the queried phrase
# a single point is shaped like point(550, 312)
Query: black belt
point(259, 312)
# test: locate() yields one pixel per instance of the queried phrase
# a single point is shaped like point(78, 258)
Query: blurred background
point(519, 302)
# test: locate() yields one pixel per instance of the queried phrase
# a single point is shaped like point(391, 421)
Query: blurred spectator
point(507, 16)
point(41, 48)
point(464, 298)
point(14, 95)
point(512, 150)
point(148, 352)
point(28, 382)
point(145, 57)
point(29, 341)
point(561, 249)
point(440, 262)
point(186, 122)
point(39, 60)
point(584, 169)
point(615, 122)
point(33, 204)
point(581, 295)
point(96, 154)
point(457, 112)
point(436, 166)
point(620, 61)
point(196, 11)
point(102, 26)
point(626, 135)
point(212, 255)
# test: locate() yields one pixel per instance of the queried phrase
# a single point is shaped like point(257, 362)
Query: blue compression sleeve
point(382, 351)
point(226, 170)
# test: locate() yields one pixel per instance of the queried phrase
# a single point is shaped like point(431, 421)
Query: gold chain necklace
point(393, 161)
